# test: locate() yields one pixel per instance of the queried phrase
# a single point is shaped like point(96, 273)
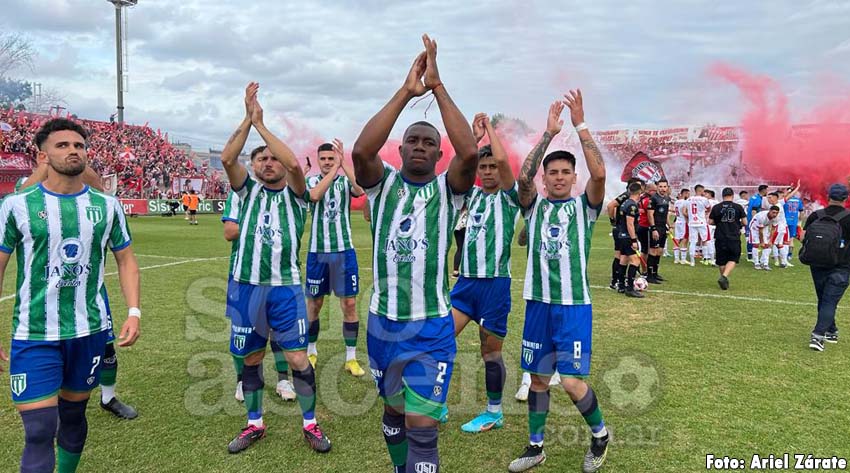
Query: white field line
point(144, 268)
point(160, 256)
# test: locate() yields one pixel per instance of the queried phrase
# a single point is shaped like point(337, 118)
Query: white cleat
point(284, 390)
point(522, 393)
point(238, 395)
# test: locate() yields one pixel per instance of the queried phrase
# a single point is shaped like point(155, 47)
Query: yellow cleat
point(313, 359)
point(354, 368)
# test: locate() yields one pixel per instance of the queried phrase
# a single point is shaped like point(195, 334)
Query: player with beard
point(483, 292)
point(611, 209)
point(266, 299)
point(61, 230)
point(410, 338)
point(558, 314)
point(656, 213)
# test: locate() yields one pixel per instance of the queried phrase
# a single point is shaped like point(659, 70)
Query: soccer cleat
point(354, 368)
point(633, 293)
point(246, 438)
point(444, 415)
point(830, 337)
point(783, 266)
point(816, 344)
point(613, 286)
point(313, 360)
point(555, 380)
point(658, 277)
point(653, 280)
point(522, 393)
point(723, 282)
point(119, 409)
point(621, 289)
point(789, 264)
point(238, 395)
point(757, 267)
point(531, 457)
point(455, 274)
point(767, 267)
point(693, 264)
point(284, 390)
point(317, 440)
point(485, 421)
point(595, 456)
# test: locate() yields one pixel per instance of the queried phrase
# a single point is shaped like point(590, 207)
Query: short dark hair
point(325, 147)
point(710, 192)
point(257, 150)
point(485, 151)
point(774, 207)
point(742, 193)
point(698, 186)
point(727, 191)
point(663, 179)
point(424, 123)
point(58, 124)
point(634, 188)
point(685, 190)
point(559, 155)
point(762, 187)
point(775, 194)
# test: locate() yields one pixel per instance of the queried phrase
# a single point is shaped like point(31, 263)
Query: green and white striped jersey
point(21, 180)
point(60, 243)
point(330, 231)
point(411, 233)
point(489, 233)
point(271, 225)
point(231, 214)
point(559, 234)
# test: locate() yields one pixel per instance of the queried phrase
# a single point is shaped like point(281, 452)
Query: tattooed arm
point(527, 189)
point(595, 189)
point(230, 154)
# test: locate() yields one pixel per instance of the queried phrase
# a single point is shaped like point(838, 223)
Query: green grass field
point(689, 370)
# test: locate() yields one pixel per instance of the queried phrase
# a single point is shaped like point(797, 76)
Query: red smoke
point(818, 153)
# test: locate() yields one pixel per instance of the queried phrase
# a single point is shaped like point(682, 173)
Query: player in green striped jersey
point(109, 367)
point(483, 291)
point(558, 317)
point(61, 230)
point(410, 338)
point(266, 299)
point(331, 261)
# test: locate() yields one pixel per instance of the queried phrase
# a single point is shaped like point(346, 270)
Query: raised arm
point(236, 172)
point(356, 190)
point(461, 173)
point(793, 191)
point(128, 277)
point(368, 168)
point(294, 173)
point(595, 189)
point(527, 189)
point(506, 174)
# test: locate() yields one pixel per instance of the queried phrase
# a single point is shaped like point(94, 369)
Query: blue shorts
point(557, 336)
point(792, 230)
point(110, 329)
point(413, 360)
point(337, 271)
point(487, 301)
point(39, 369)
point(258, 313)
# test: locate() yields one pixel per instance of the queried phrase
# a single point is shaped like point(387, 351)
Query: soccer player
point(411, 339)
point(611, 209)
point(793, 212)
point(331, 261)
point(708, 247)
point(754, 206)
point(627, 241)
point(194, 200)
point(657, 213)
point(266, 299)
point(761, 227)
point(781, 239)
point(558, 316)
point(696, 213)
point(185, 200)
point(61, 230)
point(483, 292)
point(230, 219)
point(680, 227)
point(729, 218)
point(109, 368)
point(743, 199)
point(643, 223)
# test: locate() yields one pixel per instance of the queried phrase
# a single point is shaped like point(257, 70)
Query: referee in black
point(729, 218)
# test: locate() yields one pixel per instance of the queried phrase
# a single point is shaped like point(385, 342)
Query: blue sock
point(39, 431)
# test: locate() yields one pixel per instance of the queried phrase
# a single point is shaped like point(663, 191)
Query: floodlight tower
point(119, 50)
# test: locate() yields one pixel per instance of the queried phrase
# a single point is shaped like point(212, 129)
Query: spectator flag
point(110, 184)
point(5, 127)
point(643, 168)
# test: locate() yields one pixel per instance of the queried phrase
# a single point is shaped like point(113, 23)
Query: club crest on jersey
point(18, 383)
point(239, 342)
point(94, 214)
point(527, 355)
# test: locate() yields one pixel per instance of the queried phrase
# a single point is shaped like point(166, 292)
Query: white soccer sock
point(756, 255)
point(693, 248)
point(107, 393)
point(526, 378)
point(783, 255)
point(256, 422)
point(676, 255)
point(311, 349)
point(765, 257)
point(307, 422)
point(350, 353)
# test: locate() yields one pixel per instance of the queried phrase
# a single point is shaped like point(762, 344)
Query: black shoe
point(317, 440)
point(613, 286)
point(595, 456)
point(830, 337)
point(633, 293)
point(723, 282)
point(531, 457)
point(658, 277)
point(816, 344)
point(249, 435)
point(652, 280)
point(119, 409)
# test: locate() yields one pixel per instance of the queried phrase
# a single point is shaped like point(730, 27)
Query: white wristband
point(581, 126)
point(134, 312)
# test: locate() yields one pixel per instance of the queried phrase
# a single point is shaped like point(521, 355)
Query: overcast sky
point(328, 66)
